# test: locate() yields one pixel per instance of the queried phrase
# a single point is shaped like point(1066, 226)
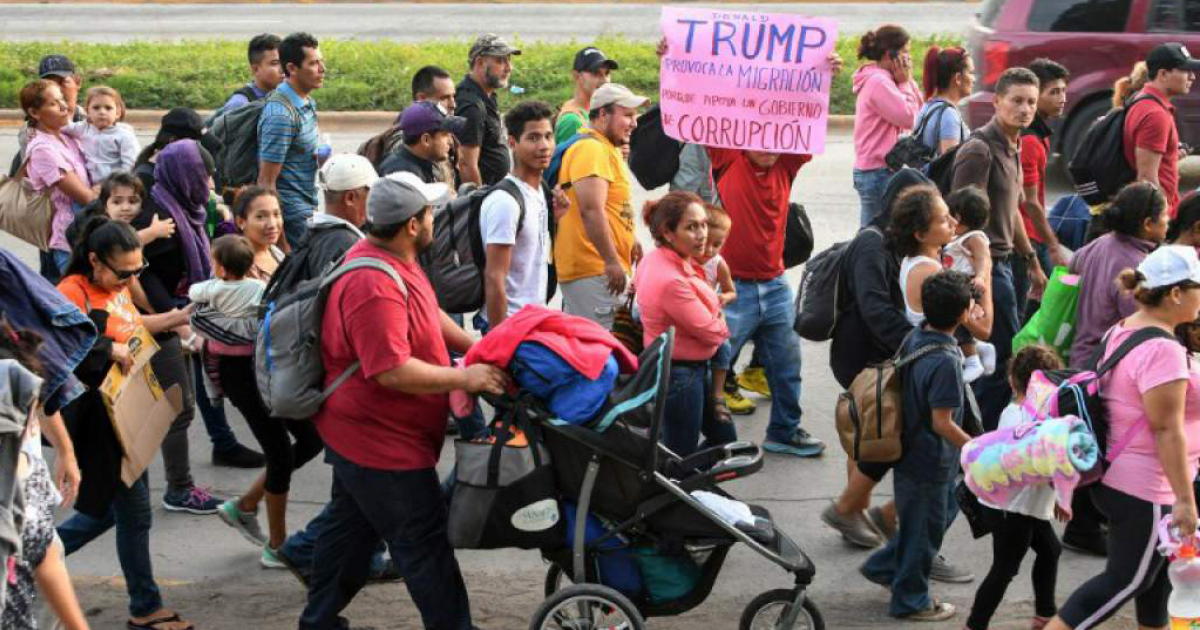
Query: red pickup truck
point(1097, 40)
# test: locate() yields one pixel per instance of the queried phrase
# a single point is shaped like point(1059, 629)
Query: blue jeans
point(405, 509)
point(295, 223)
point(763, 312)
point(130, 512)
point(215, 422)
point(687, 414)
point(870, 185)
point(924, 510)
point(993, 391)
point(301, 546)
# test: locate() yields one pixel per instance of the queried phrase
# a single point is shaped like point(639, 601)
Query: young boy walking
point(934, 397)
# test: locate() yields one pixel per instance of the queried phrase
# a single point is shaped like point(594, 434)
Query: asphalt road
point(211, 574)
point(107, 22)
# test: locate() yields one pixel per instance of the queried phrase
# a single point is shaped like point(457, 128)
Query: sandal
point(722, 411)
point(154, 624)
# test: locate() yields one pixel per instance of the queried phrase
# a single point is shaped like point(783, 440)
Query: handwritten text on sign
point(745, 80)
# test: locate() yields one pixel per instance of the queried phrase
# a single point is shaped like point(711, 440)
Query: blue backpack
point(1069, 218)
point(550, 176)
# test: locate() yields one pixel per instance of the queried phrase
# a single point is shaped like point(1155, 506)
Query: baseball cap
point(347, 171)
point(398, 197)
point(1170, 264)
point(591, 59)
point(491, 45)
point(56, 65)
point(1170, 56)
point(183, 122)
point(426, 117)
point(615, 93)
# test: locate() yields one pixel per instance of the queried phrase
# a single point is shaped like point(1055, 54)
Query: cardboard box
point(141, 412)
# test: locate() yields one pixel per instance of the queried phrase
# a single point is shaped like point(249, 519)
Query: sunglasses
point(126, 274)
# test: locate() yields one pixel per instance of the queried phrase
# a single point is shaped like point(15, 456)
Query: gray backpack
point(287, 353)
point(237, 131)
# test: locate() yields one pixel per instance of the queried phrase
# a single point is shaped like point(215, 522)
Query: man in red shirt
point(384, 427)
point(754, 188)
point(1151, 138)
point(1035, 152)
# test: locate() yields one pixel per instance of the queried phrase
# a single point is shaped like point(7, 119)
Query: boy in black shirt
point(934, 397)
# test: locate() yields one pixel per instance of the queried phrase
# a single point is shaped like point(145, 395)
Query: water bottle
point(325, 147)
point(1184, 603)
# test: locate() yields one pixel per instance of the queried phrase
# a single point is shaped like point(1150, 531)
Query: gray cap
point(616, 94)
point(491, 45)
point(398, 197)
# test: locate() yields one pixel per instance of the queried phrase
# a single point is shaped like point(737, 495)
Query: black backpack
point(819, 302)
point(941, 169)
point(237, 131)
point(246, 91)
point(456, 260)
point(653, 155)
point(911, 150)
point(1099, 168)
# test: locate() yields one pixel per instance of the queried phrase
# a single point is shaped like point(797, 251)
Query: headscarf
point(181, 188)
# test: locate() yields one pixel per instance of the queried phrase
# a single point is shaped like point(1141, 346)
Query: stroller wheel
point(556, 578)
point(767, 612)
point(587, 607)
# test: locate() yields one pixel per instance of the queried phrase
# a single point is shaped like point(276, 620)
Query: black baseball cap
point(57, 66)
point(1170, 56)
point(591, 59)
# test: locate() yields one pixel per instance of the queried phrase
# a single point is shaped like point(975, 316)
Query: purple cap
point(426, 117)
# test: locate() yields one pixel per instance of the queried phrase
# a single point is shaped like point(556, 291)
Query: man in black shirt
point(428, 137)
point(483, 155)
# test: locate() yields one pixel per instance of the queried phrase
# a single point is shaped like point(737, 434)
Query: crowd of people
point(152, 239)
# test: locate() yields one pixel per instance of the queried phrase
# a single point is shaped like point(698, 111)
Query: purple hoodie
point(882, 111)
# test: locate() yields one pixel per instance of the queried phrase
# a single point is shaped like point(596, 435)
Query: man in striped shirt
point(288, 135)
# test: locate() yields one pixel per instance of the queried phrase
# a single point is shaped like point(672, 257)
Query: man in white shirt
point(518, 244)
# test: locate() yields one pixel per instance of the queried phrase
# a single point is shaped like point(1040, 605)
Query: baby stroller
point(633, 504)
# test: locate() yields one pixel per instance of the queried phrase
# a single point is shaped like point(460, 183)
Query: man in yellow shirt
point(590, 71)
point(595, 247)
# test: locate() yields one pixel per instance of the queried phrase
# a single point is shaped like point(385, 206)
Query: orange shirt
point(123, 318)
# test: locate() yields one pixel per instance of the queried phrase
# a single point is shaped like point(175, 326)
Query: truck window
point(1079, 16)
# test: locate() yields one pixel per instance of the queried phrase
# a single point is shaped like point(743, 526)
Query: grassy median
point(363, 75)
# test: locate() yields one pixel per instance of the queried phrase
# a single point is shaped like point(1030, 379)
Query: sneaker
point(972, 368)
point(384, 570)
point(739, 405)
point(754, 379)
point(277, 559)
point(238, 457)
point(802, 444)
point(943, 571)
point(194, 500)
point(880, 522)
point(1093, 543)
point(855, 529)
point(245, 523)
point(937, 611)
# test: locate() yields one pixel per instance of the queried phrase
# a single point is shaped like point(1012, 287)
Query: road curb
point(148, 119)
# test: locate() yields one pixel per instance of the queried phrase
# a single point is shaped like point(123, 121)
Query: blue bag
point(616, 565)
point(1069, 218)
point(570, 395)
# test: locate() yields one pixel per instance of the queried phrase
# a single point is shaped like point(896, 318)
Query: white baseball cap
point(347, 171)
point(615, 93)
point(1170, 264)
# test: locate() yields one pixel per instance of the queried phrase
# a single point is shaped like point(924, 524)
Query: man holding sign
point(754, 88)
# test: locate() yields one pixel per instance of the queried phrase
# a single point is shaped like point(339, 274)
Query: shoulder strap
point(287, 102)
point(247, 92)
point(510, 187)
point(920, 131)
point(920, 352)
point(1134, 340)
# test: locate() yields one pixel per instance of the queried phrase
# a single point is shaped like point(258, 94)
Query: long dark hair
point(887, 38)
point(21, 345)
point(1132, 207)
point(101, 236)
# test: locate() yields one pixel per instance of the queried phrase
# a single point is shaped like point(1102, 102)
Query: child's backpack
point(550, 175)
point(237, 131)
point(1099, 168)
point(870, 415)
point(818, 299)
point(653, 155)
point(287, 355)
point(456, 260)
point(1068, 392)
point(378, 147)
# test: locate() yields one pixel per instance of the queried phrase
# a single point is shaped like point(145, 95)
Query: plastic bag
point(1053, 324)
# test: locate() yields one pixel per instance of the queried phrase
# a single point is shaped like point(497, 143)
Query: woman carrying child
point(672, 291)
point(1024, 523)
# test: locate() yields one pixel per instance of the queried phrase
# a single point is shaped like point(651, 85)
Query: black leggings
point(237, 379)
point(1013, 535)
point(1134, 570)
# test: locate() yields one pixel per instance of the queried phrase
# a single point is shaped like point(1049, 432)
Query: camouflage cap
point(490, 45)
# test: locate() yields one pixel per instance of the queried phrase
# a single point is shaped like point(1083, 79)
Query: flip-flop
point(154, 624)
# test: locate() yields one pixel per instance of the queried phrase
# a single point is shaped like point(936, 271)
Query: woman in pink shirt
point(54, 162)
point(672, 291)
point(887, 101)
point(1153, 401)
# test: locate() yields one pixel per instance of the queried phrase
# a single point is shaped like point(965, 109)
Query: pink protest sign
point(743, 80)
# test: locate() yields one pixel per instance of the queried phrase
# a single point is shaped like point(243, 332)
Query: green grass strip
point(362, 75)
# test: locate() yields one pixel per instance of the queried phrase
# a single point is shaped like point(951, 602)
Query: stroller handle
point(729, 461)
